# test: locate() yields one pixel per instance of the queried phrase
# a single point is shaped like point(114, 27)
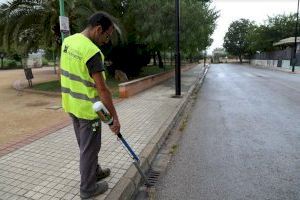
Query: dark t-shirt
point(94, 64)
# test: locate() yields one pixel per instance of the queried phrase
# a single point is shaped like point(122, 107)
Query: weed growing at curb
point(173, 149)
point(183, 124)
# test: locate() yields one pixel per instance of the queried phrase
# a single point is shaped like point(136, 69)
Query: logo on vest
point(72, 52)
point(66, 49)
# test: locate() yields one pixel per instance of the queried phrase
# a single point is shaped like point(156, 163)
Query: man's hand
point(106, 99)
point(115, 127)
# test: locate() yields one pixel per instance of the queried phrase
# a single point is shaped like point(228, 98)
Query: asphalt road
point(242, 140)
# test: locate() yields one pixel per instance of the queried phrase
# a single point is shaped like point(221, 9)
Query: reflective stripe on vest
point(77, 78)
point(79, 95)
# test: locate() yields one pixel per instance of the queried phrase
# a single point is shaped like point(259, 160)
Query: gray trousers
point(89, 142)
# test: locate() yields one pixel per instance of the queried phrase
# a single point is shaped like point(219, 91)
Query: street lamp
point(177, 54)
point(295, 44)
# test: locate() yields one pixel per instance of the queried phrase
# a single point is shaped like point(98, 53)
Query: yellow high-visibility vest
point(77, 87)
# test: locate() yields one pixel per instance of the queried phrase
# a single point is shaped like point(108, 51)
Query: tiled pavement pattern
point(49, 167)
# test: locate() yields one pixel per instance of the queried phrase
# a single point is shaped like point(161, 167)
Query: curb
point(136, 86)
point(128, 185)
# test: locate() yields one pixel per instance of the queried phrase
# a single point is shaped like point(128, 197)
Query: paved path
point(48, 168)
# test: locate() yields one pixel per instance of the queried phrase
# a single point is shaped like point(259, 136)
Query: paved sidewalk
point(48, 168)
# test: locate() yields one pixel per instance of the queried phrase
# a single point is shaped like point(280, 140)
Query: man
point(82, 83)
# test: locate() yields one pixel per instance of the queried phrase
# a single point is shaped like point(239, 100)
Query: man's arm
point(95, 67)
point(105, 97)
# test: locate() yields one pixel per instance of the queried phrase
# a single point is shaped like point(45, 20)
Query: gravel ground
point(23, 113)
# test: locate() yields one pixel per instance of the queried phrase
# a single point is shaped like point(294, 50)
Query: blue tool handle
point(128, 147)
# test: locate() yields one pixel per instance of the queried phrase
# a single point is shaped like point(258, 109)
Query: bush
point(129, 59)
point(44, 61)
point(11, 64)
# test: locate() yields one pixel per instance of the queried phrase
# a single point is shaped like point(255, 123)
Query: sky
point(254, 10)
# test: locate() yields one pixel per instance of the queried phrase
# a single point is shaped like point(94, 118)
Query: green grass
point(113, 86)
point(173, 149)
point(149, 70)
point(54, 86)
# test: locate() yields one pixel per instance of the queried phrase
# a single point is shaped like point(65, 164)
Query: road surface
point(242, 140)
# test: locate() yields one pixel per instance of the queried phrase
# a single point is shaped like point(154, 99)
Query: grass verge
point(54, 86)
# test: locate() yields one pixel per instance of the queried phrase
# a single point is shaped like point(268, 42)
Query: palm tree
point(27, 25)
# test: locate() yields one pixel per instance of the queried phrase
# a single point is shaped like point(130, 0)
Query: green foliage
point(44, 61)
point(197, 25)
point(128, 58)
point(154, 24)
point(113, 86)
point(235, 41)
point(246, 38)
point(27, 25)
point(11, 64)
point(261, 38)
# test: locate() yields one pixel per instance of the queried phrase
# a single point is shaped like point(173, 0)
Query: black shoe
point(103, 174)
point(101, 187)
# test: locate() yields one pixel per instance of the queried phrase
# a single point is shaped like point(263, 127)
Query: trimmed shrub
point(11, 64)
point(129, 59)
point(44, 61)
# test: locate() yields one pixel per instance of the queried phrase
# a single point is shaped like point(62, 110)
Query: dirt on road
point(24, 113)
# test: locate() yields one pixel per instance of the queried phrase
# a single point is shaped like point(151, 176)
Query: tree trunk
point(154, 59)
point(240, 58)
point(171, 58)
point(160, 62)
point(54, 61)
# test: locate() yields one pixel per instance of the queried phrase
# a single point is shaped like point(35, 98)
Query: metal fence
point(274, 55)
point(278, 55)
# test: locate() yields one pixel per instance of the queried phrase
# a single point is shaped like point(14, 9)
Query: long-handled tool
point(105, 116)
point(136, 160)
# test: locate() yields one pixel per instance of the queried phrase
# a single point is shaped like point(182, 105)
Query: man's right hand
point(115, 127)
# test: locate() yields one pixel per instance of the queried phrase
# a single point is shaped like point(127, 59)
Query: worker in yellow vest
point(82, 84)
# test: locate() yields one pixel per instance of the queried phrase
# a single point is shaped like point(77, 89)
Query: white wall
point(271, 64)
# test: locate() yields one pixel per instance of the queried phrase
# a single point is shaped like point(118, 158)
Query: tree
point(235, 41)
point(27, 25)
point(261, 38)
point(197, 26)
point(151, 23)
point(154, 25)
